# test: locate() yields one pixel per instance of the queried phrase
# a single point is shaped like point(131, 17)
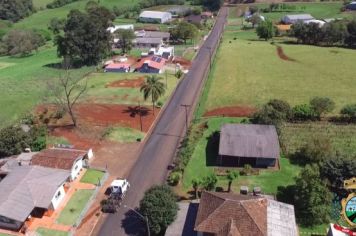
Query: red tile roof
point(57, 158)
point(231, 214)
point(152, 61)
point(118, 66)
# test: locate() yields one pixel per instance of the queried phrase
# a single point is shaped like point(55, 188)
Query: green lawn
point(124, 134)
point(92, 176)
point(249, 72)
point(100, 92)
point(50, 232)
point(23, 82)
point(74, 207)
point(342, 137)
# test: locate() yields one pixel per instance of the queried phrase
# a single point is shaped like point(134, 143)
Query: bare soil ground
point(127, 83)
point(183, 62)
point(231, 111)
point(283, 56)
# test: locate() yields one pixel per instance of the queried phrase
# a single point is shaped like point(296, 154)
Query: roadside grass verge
point(74, 207)
point(50, 232)
point(92, 176)
point(124, 134)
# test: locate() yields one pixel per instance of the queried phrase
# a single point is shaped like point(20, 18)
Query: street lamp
point(142, 217)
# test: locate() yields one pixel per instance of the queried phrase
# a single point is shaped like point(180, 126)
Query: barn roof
point(154, 14)
point(255, 141)
point(300, 17)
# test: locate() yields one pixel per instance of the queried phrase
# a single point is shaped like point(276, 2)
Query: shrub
point(174, 178)
point(304, 112)
point(247, 170)
point(322, 105)
point(274, 112)
point(209, 182)
point(349, 111)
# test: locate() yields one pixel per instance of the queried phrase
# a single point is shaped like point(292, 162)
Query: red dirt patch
point(127, 83)
point(283, 56)
point(183, 62)
point(233, 111)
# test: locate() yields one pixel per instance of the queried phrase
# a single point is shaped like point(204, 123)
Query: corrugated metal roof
point(300, 17)
point(281, 219)
point(27, 187)
point(256, 141)
point(155, 14)
point(148, 40)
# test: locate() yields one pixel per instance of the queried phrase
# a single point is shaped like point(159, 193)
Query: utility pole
point(186, 116)
point(139, 112)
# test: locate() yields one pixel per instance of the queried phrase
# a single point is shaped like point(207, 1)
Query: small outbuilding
point(351, 6)
point(155, 17)
point(292, 19)
point(241, 144)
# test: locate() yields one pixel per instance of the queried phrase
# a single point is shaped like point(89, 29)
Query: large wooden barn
point(241, 144)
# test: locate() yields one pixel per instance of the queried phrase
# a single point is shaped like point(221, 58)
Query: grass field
point(74, 207)
point(256, 73)
point(50, 232)
point(124, 134)
point(342, 137)
point(99, 92)
point(92, 176)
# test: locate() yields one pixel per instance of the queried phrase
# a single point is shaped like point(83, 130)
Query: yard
point(124, 134)
point(50, 232)
point(92, 176)
point(249, 72)
point(74, 207)
point(205, 153)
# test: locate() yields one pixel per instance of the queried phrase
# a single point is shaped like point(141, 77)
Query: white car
point(119, 187)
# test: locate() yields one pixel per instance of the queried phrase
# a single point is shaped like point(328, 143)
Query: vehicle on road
point(119, 188)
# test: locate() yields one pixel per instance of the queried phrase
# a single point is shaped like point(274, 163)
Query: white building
point(165, 52)
point(291, 19)
point(155, 16)
point(118, 27)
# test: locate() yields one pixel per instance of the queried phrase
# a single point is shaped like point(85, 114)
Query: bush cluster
point(59, 3)
point(341, 33)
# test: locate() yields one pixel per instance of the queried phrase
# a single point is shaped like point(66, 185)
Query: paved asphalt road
point(160, 148)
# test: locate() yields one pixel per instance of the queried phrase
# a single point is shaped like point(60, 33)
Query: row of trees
point(59, 3)
point(15, 10)
point(212, 5)
point(333, 33)
point(278, 111)
point(22, 42)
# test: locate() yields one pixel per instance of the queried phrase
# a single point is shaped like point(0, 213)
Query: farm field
point(256, 73)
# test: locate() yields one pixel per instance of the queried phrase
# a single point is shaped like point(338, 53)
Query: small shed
point(291, 19)
point(241, 144)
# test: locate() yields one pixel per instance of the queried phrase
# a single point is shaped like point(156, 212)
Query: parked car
point(119, 188)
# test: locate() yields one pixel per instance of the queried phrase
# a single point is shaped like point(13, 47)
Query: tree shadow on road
point(133, 224)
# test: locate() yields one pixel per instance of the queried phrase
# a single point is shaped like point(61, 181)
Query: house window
point(76, 167)
point(58, 195)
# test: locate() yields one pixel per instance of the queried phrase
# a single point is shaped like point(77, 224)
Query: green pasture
point(249, 72)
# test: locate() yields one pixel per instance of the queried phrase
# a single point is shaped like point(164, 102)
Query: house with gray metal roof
point(28, 189)
point(291, 19)
point(155, 17)
point(241, 144)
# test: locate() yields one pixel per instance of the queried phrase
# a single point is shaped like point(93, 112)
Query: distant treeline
point(59, 3)
point(340, 33)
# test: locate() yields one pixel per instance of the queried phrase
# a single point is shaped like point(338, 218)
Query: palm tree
point(153, 88)
point(231, 176)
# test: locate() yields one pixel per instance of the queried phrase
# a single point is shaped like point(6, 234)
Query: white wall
point(90, 153)
point(77, 166)
point(58, 197)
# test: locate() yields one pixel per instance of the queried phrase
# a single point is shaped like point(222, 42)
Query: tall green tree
point(184, 31)
point(322, 105)
point(231, 176)
point(125, 37)
point(15, 10)
point(351, 34)
point(85, 36)
point(196, 184)
point(265, 30)
point(160, 207)
point(153, 88)
point(312, 197)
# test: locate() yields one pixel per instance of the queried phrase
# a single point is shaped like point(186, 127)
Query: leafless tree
point(66, 90)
